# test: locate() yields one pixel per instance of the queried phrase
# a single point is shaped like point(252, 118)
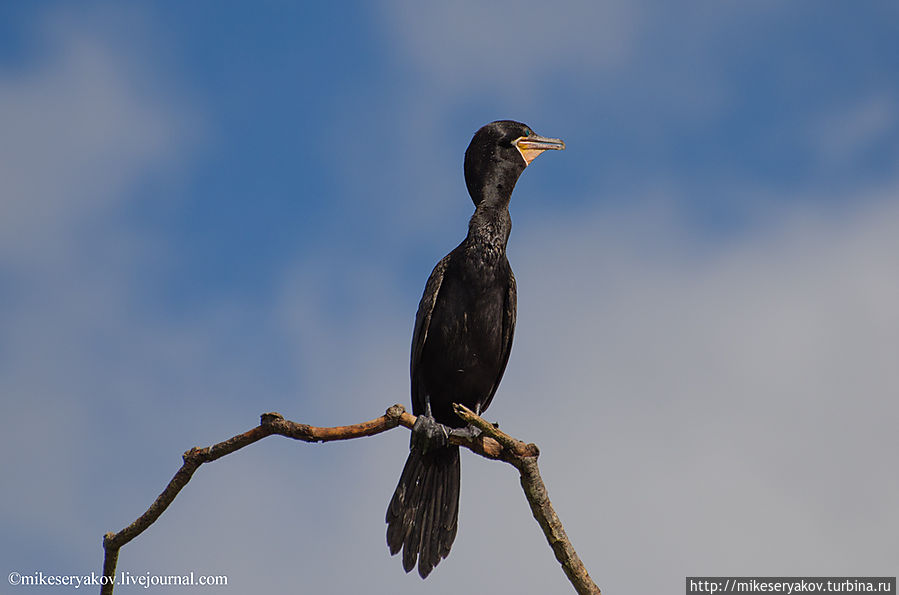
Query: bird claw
point(466, 433)
point(427, 434)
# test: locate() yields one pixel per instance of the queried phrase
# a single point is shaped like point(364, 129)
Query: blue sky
point(212, 210)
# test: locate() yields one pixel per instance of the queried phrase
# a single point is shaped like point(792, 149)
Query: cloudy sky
point(212, 210)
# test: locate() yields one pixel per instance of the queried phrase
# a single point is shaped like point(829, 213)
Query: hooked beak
point(531, 146)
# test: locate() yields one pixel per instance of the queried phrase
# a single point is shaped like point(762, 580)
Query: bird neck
point(496, 195)
point(489, 228)
point(492, 186)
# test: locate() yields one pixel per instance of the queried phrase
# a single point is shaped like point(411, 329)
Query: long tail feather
point(423, 513)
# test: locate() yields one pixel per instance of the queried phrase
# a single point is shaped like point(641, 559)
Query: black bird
point(460, 345)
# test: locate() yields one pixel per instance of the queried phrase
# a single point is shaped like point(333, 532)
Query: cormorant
point(460, 345)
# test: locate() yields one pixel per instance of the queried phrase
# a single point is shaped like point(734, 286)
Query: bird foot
point(427, 434)
point(466, 433)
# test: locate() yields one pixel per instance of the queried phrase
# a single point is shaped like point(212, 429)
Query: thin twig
point(491, 443)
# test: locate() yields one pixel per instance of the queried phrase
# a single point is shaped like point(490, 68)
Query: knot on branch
point(274, 423)
point(196, 455)
point(394, 413)
point(270, 418)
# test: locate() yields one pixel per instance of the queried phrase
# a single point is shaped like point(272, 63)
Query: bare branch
point(491, 443)
point(524, 458)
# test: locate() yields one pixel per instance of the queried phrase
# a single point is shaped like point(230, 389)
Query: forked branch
point(491, 443)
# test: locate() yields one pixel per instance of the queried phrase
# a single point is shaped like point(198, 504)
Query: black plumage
point(461, 343)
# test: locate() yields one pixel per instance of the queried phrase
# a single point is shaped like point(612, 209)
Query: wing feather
point(420, 333)
point(510, 308)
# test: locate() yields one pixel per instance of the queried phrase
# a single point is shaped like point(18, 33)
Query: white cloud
point(843, 135)
point(520, 51)
point(80, 134)
point(502, 44)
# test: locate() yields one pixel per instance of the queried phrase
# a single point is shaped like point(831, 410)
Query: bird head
point(497, 155)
